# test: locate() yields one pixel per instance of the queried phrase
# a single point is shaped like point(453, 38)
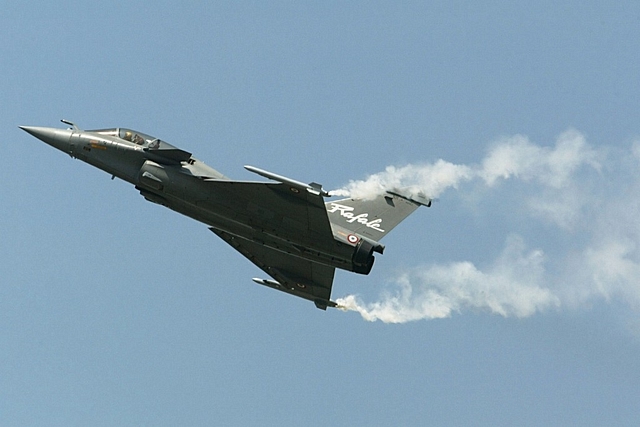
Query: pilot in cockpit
point(133, 137)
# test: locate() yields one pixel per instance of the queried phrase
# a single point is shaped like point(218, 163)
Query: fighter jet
point(284, 227)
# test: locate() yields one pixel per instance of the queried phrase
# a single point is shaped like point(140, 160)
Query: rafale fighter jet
point(284, 227)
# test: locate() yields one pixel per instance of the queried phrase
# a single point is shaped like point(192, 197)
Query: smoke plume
point(578, 203)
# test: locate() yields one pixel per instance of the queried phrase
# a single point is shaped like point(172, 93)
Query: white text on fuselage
point(363, 218)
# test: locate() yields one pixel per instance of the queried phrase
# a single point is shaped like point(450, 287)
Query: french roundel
point(352, 238)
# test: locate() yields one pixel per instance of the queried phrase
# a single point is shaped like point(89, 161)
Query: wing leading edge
point(293, 275)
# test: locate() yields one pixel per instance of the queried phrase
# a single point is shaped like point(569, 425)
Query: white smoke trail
point(433, 179)
point(586, 197)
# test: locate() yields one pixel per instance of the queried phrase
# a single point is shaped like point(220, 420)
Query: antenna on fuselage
point(67, 122)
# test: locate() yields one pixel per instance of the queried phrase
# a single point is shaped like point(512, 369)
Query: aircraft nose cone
point(58, 138)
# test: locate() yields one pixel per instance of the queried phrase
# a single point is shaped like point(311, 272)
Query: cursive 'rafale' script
point(363, 218)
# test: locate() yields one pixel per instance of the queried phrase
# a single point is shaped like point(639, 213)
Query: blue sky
point(514, 300)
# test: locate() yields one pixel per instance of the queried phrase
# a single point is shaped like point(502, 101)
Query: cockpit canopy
point(136, 137)
point(157, 149)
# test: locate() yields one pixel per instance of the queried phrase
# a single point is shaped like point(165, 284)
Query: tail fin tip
point(418, 197)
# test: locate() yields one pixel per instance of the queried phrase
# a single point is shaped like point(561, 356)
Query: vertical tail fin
point(374, 218)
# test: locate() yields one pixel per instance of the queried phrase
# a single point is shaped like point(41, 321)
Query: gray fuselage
point(173, 178)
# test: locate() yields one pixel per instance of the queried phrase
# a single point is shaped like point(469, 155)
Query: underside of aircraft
point(285, 227)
